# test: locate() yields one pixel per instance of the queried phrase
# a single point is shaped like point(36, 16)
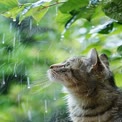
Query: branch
point(39, 3)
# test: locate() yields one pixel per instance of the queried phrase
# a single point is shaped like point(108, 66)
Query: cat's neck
point(92, 98)
point(90, 106)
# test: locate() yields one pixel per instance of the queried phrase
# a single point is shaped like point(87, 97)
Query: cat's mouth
point(53, 75)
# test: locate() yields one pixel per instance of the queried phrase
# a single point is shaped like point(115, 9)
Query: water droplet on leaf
point(3, 39)
point(14, 19)
point(28, 83)
point(45, 103)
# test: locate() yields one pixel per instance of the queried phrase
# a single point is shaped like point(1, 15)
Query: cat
point(92, 93)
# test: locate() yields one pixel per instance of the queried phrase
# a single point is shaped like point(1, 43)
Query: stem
point(37, 5)
point(52, 5)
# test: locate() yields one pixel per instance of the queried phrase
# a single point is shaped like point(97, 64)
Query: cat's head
point(82, 71)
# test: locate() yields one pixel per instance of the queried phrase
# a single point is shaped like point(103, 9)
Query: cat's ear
point(94, 58)
point(104, 59)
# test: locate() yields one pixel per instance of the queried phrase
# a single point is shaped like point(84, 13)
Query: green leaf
point(62, 19)
point(119, 50)
point(118, 78)
point(13, 13)
point(83, 12)
point(107, 52)
point(39, 12)
point(70, 5)
point(6, 5)
point(113, 9)
point(86, 13)
point(77, 9)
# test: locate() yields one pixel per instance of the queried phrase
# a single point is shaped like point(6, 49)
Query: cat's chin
point(51, 77)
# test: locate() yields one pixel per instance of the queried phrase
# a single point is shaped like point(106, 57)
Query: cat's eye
point(67, 64)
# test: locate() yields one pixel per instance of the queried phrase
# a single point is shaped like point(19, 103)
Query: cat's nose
point(51, 67)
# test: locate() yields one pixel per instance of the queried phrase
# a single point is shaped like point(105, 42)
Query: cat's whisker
point(35, 88)
point(39, 84)
point(39, 73)
point(40, 89)
point(38, 76)
point(42, 79)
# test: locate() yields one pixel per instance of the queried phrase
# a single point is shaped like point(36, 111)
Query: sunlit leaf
point(13, 13)
point(62, 19)
point(107, 52)
point(6, 5)
point(39, 12)
point(118, 78)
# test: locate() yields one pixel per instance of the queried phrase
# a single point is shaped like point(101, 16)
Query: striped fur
point(92, 93)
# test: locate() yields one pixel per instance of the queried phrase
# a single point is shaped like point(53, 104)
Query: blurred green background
point(28, 49)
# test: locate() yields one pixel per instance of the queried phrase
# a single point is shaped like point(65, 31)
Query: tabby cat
point(92, 93)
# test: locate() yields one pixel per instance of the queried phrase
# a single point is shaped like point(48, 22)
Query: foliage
point(36, 34)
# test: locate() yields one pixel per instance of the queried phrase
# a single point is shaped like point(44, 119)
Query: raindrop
point(28, 83)
point(82, 30)
point(56, 9)
point(19, 39)
point(67, 27)
point(18, 98)
point(62, 34)
point(45, 104)
point(29, 115)
point(25, 72)
point(9, 55)
point(14, 41)
point(18, 32)
point(3, 39)
point(3, 80)
point(8, 12)
point(54, 98)
point(10, 28)
point(15, 73)
point(19, 23)
point(93, 26)
point(23, 107)
point(30, 26)
point(14, 19)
